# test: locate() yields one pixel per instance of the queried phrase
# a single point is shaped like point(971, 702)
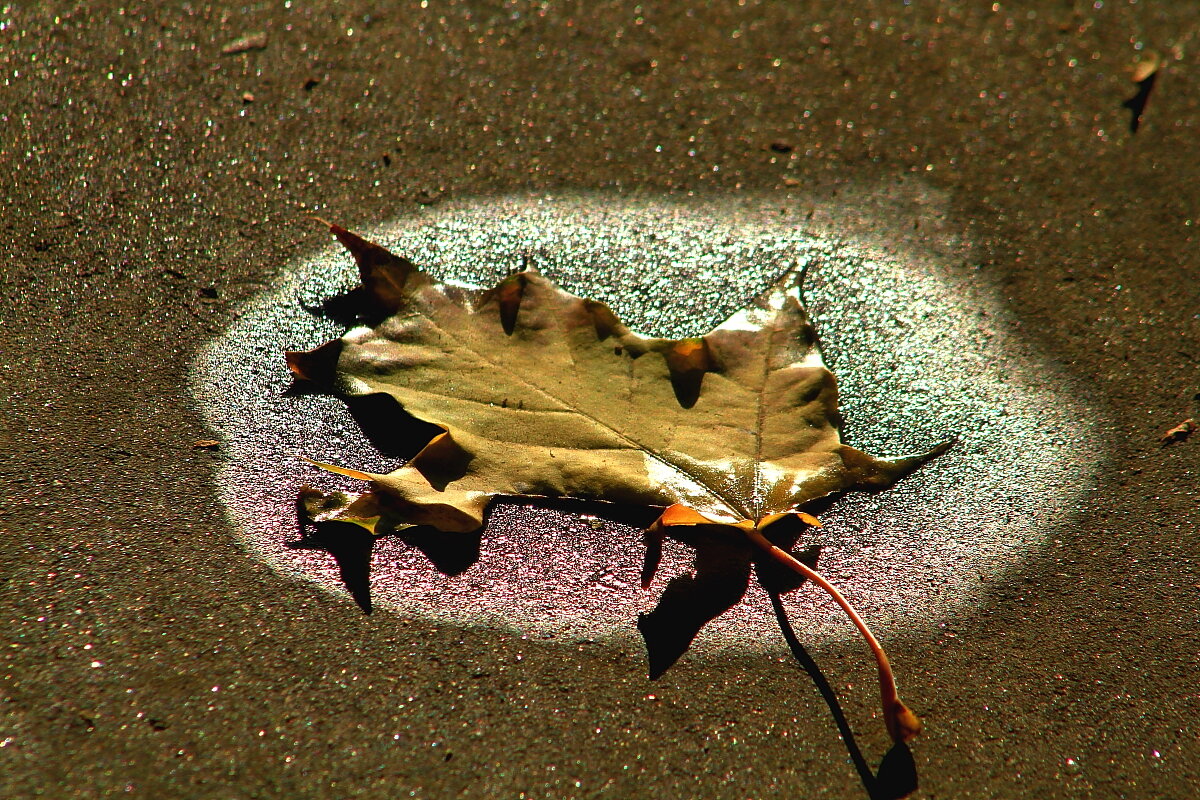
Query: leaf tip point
point(350, 473)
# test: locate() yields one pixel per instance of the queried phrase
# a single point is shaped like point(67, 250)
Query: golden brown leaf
point(534, 392)
point(543, 394)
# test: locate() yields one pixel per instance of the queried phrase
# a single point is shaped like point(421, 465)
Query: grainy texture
point(928, 351)
point(145, 197)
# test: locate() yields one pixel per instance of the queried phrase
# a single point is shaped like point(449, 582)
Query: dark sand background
point(151, 184)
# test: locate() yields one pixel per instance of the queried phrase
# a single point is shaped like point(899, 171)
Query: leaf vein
point(634, 443)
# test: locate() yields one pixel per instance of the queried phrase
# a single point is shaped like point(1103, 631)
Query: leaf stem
point(901, 723)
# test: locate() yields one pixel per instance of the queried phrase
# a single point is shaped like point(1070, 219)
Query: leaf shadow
point(352, 548)
point(773, 576)
point(393, 431)
point(722, 567)
point(303, 388)
point(633, 516)
point(450, 553)
point(720, 577)
point(1137, 104)
point(347, 309)
point(385, 423)
point(722, 574)
point(897, 774)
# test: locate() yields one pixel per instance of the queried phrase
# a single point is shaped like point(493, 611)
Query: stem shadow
point(897, 775)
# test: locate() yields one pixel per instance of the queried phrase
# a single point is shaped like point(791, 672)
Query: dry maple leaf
point(537, 393)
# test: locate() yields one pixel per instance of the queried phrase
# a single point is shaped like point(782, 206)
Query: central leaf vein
point(633, 443)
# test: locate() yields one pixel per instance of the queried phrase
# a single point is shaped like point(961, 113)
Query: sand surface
point(156, 190)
